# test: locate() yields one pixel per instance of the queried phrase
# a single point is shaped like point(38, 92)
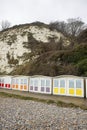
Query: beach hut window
point(56, 83)
point(36, 83)
point(31, 82)
point(17, 81)
point(71, 84)
point(42, 89)
point(78, 83)
point(2, 80)
point(48, 83)
point(47, 89)
point(13, 81)
point(25, 81)
point(42, 83)
point(21, 81)
point(62, 83)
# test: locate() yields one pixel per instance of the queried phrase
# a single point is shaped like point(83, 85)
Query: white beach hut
point(40, 84)
point(68, 85)
point(5, 81)
point(20, 82)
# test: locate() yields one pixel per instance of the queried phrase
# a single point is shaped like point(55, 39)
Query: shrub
point(82, 67)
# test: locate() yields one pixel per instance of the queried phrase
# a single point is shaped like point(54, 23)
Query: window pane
point(21, 81)
point(17, 81)
point(47, 89)
point(13, 81)
point(25, 81)
point(35, 82)
point(2, 80)
point(36, 88)
point(71, 84)
point(48, 83)
point(62, 83)
point(78, 83)
point(31, 82)
point(42, 89)
point(31, 87)
point(56, 84)
point(42, 83)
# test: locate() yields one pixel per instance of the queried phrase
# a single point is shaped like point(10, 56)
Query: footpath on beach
point(80, 102)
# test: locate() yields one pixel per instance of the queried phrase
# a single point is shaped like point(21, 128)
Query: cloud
point(24, 11)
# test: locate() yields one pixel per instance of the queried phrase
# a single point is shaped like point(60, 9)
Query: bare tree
point(59, 26)
point(74, 26)
point(5, 24)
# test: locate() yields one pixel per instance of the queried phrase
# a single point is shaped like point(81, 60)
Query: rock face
point(14, 43)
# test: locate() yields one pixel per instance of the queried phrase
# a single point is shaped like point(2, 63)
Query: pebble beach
point(17, 114)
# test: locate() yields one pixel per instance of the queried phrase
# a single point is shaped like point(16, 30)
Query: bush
point(76, 55)
point(82, 67)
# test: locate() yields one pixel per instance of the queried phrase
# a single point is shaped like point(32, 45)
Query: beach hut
point(68, 85)
point(40, 84)
point(86, 86)
point(59, 85)
point(20, 82)
point(75, 86)
point(5, 81)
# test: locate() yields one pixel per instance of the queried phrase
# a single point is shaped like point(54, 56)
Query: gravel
point(16, 114)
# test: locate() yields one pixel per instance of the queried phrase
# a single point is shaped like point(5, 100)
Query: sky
point(27, 11)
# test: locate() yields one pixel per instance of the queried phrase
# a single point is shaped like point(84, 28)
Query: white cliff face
point(42, 34)
point(12, 43)
point(16, 50)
